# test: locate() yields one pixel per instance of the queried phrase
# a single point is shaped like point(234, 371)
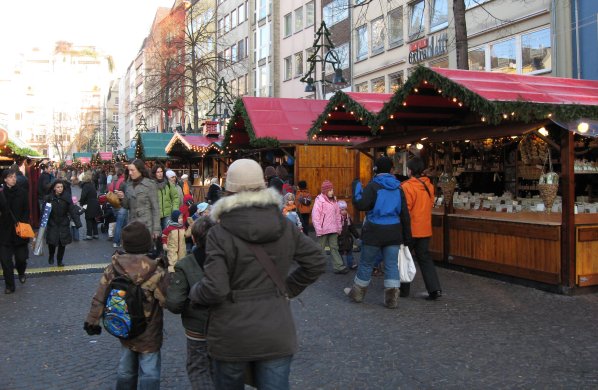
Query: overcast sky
point(116, 27)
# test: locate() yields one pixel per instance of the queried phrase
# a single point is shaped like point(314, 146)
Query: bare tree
point(461, 45)
point(61, 134)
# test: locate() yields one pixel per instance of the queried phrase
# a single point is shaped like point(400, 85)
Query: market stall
point(515, 162)
point(151, 148)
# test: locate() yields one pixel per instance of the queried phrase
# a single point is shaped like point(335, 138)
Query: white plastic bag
point(406, 265)
point(111, 227)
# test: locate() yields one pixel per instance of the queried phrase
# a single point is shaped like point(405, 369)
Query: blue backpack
point(123, 315)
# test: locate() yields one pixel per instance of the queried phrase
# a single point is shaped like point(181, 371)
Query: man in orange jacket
point(419, 194)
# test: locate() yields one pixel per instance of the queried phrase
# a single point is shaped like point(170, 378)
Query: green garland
point(239, 110)
point(18, 151)
point(338, 99)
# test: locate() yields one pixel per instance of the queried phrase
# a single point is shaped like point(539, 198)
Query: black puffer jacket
point(249, 319)
point(89, 197)
point(13, 199)
point(59, 224)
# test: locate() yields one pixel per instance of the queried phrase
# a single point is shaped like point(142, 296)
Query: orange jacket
point(420, 205)
point(303, 208)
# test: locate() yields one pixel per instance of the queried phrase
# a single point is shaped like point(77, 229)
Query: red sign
point(210, 127)
point(422, 43)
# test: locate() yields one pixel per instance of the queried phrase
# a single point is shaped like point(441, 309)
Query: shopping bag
point(111, 227)
point(406, 265)
point(38, 250)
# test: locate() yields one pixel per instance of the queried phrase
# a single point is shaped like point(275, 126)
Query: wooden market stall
point(273, 131)
point(493, 135)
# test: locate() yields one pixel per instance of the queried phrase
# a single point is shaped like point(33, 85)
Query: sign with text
point(426, 48)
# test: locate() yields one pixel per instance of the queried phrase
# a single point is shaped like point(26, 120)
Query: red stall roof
point(105, 156)
point(194, 142)
point(373, 102)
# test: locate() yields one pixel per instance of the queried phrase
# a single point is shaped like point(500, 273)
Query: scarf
point(137, 181)
point(161, 184)
point(288, 208)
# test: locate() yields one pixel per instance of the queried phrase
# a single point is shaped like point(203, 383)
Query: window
point(395, 27)
point(263, 81)
point(234, 89)
point(440, 63)
point(233, 53)
point(335, 11)
point(220, 26)
point(416, 18)
point(115, 117)
point(472, 3)
point(477, 59)
point(227, 23)
point(502, 57)
point(395, 81)
point(378, 85)
point(299, 19)
point(439, 15)
point(241, 12)
point(362, 87)
point(116, 101)
point(264, 43)
point(341, 54)
point(288, 24)
point(536, 51)
point(378, 35)
point(262, 9)
point(362, 42)
point(227, 55)
point(288, 68)
point(309, 14)
point(241, 52)
point(298, 64)
point(233, 18)
point(241, 84)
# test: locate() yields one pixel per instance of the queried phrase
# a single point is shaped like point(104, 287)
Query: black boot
point(405, 287)
point(60, 264)
point(50, 260)
point(391, 298)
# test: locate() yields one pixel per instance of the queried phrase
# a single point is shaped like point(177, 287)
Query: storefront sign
point(427, 48)
point(211, 127)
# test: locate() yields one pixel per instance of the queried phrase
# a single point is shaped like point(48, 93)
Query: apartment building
point(111, 116)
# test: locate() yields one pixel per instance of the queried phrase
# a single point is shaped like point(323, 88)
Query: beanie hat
point(270, 171)
point(245, 175)
point(170, 174)
point(326, 186)
point(342, 204)
point(193, 209)
point(174, 217)
point(185, 176)
point(187, 198)
point(202, 207)
point(383, 165)
point(136, 238)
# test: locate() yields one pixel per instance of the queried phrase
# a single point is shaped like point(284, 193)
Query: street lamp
point(323, 53)
point(221, 106)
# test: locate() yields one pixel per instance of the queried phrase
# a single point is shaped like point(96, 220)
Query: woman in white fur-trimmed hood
point(250, 319)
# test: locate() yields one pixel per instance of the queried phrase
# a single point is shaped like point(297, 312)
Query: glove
point(91, 329)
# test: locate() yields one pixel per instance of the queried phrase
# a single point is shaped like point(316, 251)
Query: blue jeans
point(75, 233)
point(135, 367)
point(348, 255)
point(390, 256)
point(122, 215)
point(269, 374)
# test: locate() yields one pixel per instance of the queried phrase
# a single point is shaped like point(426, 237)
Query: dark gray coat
point(58, 231)
point(142, 202)
point(89, 197)
point(249, 319)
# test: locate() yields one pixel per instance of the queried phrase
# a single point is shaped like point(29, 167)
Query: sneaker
point(342, 271)
point(88, 238)
point(115, 245)
point(434, 295)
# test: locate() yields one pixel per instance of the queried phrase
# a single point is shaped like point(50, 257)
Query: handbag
point(112, 198)
point(407, 269)
point(23, 229)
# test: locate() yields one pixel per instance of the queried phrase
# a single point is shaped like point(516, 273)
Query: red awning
point(105, 156)
point(84, 160)
point(536, 89)
point(373, 102)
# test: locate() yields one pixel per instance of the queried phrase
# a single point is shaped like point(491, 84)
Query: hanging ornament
point(548, 185)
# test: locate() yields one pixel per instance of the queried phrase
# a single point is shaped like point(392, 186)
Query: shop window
point(395, 81)
point(536, 51)
point(299, 19)
point(477, 59)
point(439, 15)
point(362, 42)
point(378, 85)
point(288, 68)
point(440, 63)
point(503, 57)
point(416, 18)
point(361, 87)
point(378, 35)
point(288, 24)
point(298, 64)
point(309, 14)
point(395, 27)
point(335, 11)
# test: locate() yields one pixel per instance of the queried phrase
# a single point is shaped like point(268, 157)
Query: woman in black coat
point(58, 233)
point(14, 205)
point(89, 197)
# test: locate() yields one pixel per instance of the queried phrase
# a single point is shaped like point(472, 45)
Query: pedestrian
point(172, 179)
point(304, 200)
point(79, 211)
point(89, 201)
point(247, 284)
point(102, 180)
point(140, 198)
point(386, 227)
point(14, 207)
point(43, 185)
point(326, 218)
point(419, 194)
point(214, 191)
point(187, 272)
point(345, 239)
point(58, 231)
point(289, 210)
point(272, 179)
point(122, 214)
point(140, 360)
point(168, 196)
point(173, 239)
point(184, 208)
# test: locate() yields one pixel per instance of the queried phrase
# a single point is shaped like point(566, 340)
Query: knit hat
point(202, 207)
point(245, 175)
point(136, 238)
point(174, 216)
point(170, 173)
point(383, 165)
point(185, 176)
point(270, 171)
point(342, 204)
point(326, 186)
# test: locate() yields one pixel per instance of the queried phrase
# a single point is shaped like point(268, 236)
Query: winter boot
point(356, 293)
point(391, 298)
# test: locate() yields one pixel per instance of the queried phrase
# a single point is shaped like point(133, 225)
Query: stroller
point(106, 216)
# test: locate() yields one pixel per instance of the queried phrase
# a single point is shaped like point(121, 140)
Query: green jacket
point(168, 199)
point(187, 272)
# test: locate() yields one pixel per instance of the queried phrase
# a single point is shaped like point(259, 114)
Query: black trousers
point(426, 265)
point(52, 250)
point(305, 222)
point(92, 227)
point(20, 254)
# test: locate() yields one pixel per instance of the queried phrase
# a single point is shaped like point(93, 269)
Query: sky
point(116, 27)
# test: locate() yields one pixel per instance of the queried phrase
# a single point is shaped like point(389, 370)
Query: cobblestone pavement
point(482, 333)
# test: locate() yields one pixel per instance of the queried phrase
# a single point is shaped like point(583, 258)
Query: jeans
point(92, 227)
point(268, 374)
point(75, 233)
point(332, 241)
point(135, 367)
point(390, 256)
point(199, 367)
point(21, 254)
point(122, 215)
point(348, 255)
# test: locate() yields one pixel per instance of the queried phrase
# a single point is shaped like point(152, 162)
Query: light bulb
point(583, 127)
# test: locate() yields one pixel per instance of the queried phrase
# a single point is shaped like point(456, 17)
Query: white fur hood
point(263, 198)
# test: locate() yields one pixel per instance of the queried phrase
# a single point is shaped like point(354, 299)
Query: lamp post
point(113, 141)
point(323, 53)
point(221, 104)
